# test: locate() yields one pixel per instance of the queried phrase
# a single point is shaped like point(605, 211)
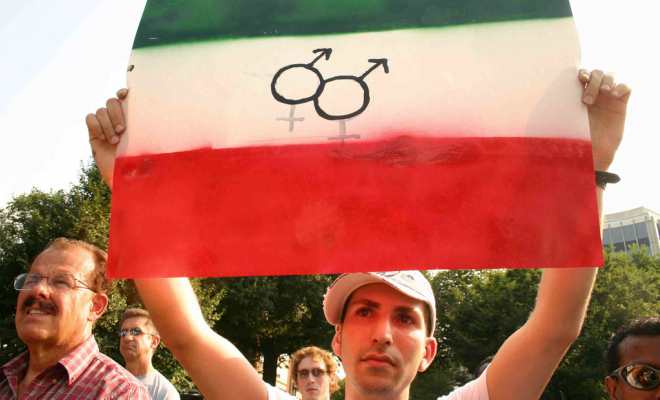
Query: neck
point(43, 356)
point(353, 393)
point(139, 367)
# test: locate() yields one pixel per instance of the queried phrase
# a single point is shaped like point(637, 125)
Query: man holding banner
point(384, 321)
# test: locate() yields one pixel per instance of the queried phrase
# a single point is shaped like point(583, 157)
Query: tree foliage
point(478, 310)
point(269, 316)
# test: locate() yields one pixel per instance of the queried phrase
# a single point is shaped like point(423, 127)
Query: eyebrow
point(364, 302)
point(373, 304)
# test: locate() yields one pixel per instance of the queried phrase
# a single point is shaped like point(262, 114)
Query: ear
point(430, 350)
point(336, 341)
point(611, 385)
point(155, 341)
point(99, 305)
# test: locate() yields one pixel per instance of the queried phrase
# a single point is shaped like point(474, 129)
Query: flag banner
point(296, 136)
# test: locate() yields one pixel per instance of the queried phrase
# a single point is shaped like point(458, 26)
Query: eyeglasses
point(133, 332)
point(316, 372)
point(61, 281)
point(639, 376)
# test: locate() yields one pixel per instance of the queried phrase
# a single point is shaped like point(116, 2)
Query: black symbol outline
point(325, 52)
point(366, 98)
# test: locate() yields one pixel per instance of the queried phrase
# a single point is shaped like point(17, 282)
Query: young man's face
point(635, 349)
point(312, 379)
point(383, 341)
point(54, 316)
point(140, 346)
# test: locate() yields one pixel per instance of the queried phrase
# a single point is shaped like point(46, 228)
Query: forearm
point(564, 295)
point(216, 366)
point(540, 345)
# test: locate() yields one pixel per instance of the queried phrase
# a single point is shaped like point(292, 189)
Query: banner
point(295, 137)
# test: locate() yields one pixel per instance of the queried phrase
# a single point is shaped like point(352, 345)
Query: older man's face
point(635, 349)
point(59, 317)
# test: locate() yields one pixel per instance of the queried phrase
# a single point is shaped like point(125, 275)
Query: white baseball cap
point(410, 283)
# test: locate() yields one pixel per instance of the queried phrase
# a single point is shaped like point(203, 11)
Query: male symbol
point(306, 67)
point(359, 80)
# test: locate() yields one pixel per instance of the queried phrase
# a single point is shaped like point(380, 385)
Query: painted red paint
point(402, 203)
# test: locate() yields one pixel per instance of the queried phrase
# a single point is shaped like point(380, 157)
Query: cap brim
point(342, 288)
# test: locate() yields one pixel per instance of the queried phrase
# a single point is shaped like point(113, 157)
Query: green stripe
point(172, 21)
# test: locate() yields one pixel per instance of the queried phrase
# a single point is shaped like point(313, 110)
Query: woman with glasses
point(313, 373)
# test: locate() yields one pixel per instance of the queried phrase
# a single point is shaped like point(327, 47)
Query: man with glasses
point(138, 341)
point(313, 373)
point(59, 299)
point(633, 361)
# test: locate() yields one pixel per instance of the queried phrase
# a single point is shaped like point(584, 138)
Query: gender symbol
point(299, 68)
point(359, 80)
point(321, 85)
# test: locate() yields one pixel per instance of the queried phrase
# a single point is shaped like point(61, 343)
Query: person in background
point(633, 361)
point(138, 341)
point(313, 373)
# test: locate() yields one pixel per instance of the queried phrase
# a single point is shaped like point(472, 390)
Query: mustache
point(42, 305)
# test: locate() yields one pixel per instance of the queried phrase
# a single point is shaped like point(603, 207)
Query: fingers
point(607, 83)
point(583, 76)
point(621, 91)
point(108, 123)
point(94, 128)
point(116, 115)
point(592, 87)
point(597, 82)
point(109, 133)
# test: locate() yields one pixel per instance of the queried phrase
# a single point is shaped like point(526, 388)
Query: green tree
point(269, 316)
point(478, 310)
point(628, 287)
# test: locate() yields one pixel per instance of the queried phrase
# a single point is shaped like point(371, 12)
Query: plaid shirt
point(84, 373)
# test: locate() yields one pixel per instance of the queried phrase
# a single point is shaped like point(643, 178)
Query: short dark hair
point(639, 327)
point(100, 283)
point(139, 313)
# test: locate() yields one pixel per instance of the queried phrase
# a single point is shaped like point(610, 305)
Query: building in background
point(639, 226)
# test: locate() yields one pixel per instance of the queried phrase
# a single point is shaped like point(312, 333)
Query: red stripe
point(402, 203)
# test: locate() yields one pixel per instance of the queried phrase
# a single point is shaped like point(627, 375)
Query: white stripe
point(499, 79)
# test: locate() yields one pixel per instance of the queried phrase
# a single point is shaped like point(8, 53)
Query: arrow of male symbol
point(358, 80)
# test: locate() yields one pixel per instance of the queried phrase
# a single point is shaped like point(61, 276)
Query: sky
point(61, 60)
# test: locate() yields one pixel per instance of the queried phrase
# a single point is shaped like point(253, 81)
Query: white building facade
point(639, 226)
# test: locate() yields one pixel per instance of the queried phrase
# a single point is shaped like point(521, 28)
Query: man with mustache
point(59, 299)
point(138, 341)
point(384, 322)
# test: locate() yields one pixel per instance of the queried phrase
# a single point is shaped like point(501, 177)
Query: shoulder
point(166, 389)
point(277, 394)
point(114, 380)
point(473, 390)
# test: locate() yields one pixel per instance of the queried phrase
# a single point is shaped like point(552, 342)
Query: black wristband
point(603, 178)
